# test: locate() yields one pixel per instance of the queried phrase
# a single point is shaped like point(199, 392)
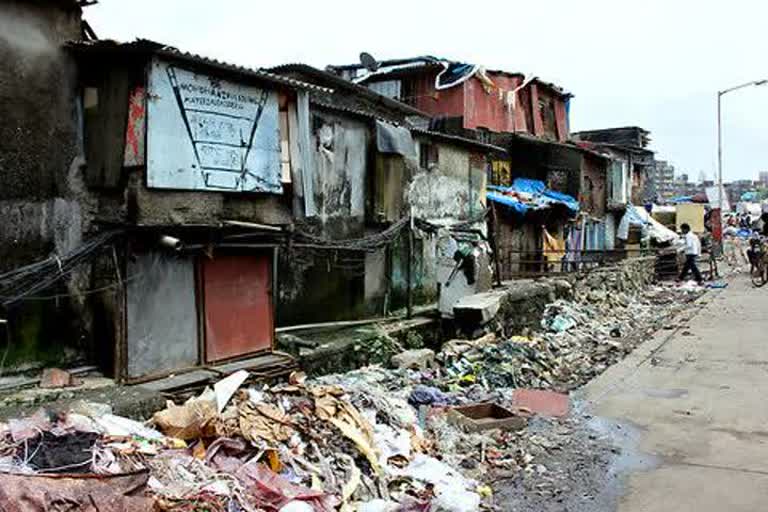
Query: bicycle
point(758, 270)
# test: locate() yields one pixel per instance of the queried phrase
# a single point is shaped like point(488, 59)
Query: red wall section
point(489, 110)
point(445, 103)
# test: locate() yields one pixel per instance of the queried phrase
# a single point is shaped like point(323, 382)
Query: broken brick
point(56, 378)
point(541, 402)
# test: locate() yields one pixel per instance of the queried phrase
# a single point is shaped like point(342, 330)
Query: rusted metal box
point(486, 416)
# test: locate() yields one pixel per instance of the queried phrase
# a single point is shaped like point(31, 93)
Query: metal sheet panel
point(162, 315)
point(238, 305)
point(204, 133)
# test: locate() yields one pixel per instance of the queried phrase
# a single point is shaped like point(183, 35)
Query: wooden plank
point(182, 380)
point(257, 363)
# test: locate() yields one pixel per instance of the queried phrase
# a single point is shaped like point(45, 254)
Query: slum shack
point(192, 161)
point(528, 227)
point(392, 202)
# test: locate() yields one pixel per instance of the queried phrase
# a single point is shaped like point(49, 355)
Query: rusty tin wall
point(238, 305)
point(161, 314)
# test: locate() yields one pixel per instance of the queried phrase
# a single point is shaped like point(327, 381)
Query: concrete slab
point(689, 488)
point(479, 308)
point(696, 393)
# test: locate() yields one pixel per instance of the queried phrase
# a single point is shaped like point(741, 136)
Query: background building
point(661, 181)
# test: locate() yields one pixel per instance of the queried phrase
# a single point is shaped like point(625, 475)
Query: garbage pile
point(578, 340)
point(292, 447)
point(371, 440)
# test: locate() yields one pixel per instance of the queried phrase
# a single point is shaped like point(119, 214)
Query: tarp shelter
point(528, 194)
point(639, 216)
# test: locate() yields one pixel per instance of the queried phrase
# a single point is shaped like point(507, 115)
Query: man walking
point(692, 253)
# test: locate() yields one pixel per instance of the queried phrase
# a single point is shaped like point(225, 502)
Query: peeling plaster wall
point(451, 191)
point(40, 137)
point(339, 161)
point(44, 204)
point(162, 207)
point(317, 286)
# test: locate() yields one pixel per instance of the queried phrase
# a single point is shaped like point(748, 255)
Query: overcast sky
point(656, 64)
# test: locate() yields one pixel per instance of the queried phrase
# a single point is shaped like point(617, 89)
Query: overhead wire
point(25, 281)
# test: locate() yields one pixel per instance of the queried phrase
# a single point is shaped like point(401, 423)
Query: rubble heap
point(374, 439)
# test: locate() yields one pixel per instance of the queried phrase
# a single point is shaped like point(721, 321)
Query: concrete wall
point(453, 189)
point(523, 301)
point(40, 138)
point(323, 285)
point(44, 204)
point(162, 207)
point(339, 162)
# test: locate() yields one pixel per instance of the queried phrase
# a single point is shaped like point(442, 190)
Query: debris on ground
point(437, 431)
point(57, 378)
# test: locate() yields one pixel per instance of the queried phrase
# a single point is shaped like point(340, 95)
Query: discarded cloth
point(271, 491)
point(427, 395)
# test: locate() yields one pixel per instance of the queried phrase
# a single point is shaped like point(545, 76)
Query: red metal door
point(238, 305)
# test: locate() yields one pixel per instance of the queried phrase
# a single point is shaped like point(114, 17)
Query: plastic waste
point(451, 488)
point(378, 506)
point(226, 387)
point(427, 395)
point(118, 426)
point(561, 323)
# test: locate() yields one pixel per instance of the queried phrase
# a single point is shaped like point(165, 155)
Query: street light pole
point(720, 151)
point(720, 95)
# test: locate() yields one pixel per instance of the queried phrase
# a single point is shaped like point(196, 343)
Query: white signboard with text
point(713, 196)
point(204, 133)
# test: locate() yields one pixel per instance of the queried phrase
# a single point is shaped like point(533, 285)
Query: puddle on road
point(625, 437)
point(665, 393)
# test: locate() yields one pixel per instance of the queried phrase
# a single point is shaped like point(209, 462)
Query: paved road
point(698, 395)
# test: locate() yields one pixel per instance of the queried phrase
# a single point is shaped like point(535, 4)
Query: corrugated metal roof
point(341, 83)
point(459, 140)
point(347, 110)
point(455, 139)
point(145, 46)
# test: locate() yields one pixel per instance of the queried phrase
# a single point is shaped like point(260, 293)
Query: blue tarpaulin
point(749, 196)
point(540, 196)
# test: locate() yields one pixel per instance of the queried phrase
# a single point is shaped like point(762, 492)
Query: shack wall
point(592, 194)
point(40, 139)
point(315, 284)
point(441, 104)
point(44, 204)
point(492, 110)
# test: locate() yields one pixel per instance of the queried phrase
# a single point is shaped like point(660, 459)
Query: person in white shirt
point(692, 253)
